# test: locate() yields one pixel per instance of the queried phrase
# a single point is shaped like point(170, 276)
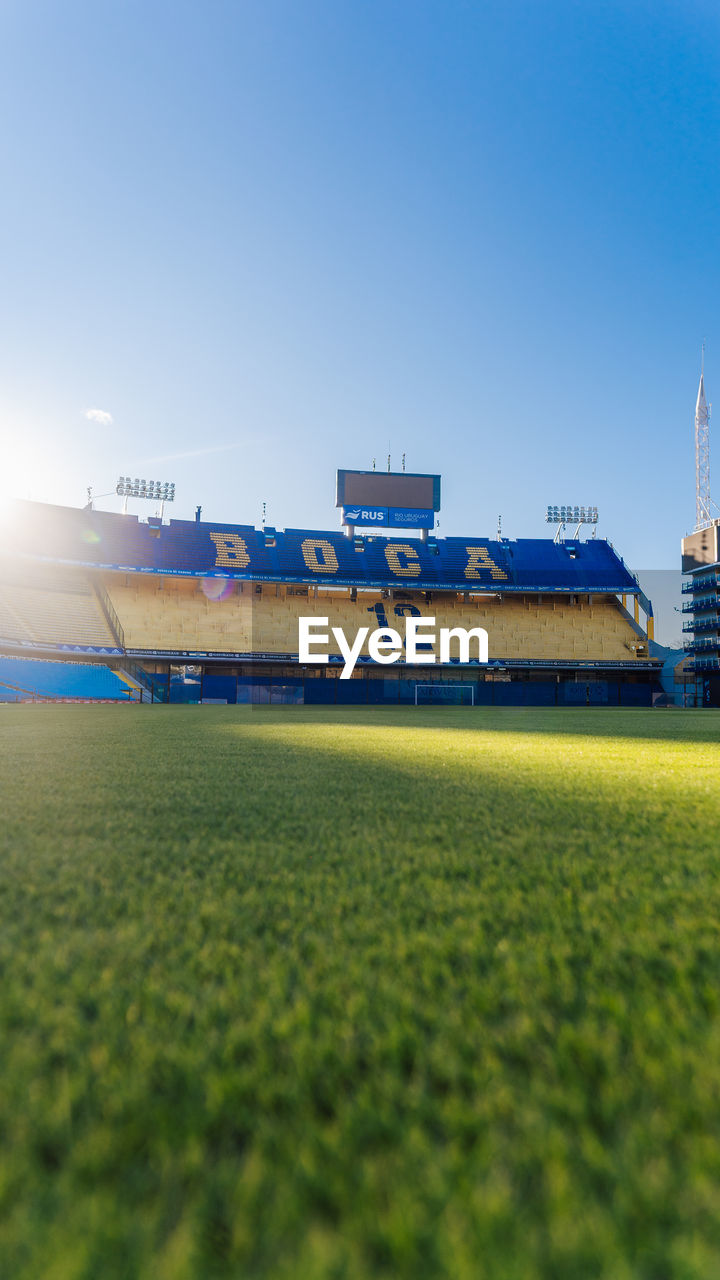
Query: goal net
point(444, 695)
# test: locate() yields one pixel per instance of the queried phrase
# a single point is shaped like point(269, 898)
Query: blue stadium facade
point(109, 542)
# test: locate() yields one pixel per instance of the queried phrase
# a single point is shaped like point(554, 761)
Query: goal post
point(444, 695)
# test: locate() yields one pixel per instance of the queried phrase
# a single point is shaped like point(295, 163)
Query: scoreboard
point(396, 490)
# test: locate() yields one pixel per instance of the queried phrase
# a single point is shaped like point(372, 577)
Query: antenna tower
point(703, 518)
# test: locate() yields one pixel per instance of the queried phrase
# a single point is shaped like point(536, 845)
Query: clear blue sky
point(485, 232)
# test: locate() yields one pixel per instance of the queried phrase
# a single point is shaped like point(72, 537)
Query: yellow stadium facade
point(197, 612)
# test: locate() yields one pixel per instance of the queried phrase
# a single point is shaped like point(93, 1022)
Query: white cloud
point(101, 416)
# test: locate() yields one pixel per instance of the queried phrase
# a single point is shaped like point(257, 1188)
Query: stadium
point(359, 856)
point(193, 611)
point(348, 985)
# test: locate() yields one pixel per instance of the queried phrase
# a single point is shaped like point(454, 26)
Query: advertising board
point(389, 517)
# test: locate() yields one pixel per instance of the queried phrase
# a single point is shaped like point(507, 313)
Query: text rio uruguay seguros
point(386, 645)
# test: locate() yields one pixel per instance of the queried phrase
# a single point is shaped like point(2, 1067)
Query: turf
point(359, 993)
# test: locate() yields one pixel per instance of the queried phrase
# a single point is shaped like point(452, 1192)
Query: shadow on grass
point(642, 723)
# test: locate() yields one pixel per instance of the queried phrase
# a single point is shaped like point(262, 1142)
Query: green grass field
point(338, 993)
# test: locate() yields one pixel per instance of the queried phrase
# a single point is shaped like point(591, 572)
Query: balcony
point(704, 602)
point(706, 624)
point(711, 645)
point(704, 664)
point(702, 582)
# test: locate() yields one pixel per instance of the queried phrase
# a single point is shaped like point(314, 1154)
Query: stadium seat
point(49, 606)
point(170, 614)
point(21, 678)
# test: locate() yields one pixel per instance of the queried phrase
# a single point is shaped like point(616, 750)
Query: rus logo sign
point(385, 645)
point(377, 514)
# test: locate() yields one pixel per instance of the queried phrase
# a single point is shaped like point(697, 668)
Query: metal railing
point(110, 615)
point(707, 624)
point(701, 582)
point(142, 677)
point(705, 664)
point(702, 606)
point(702, 646)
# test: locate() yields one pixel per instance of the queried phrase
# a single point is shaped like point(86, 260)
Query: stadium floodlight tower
point(161, 491)
point(703, 518)
point(570, 515)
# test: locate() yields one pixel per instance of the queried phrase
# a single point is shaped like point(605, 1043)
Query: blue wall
point(324, 691)
point(82, 680)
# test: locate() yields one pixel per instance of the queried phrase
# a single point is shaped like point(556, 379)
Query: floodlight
point(154, 490)
point(571, 514)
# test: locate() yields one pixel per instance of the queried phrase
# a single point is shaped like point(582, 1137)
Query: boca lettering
point(480, 559)
point(402, 559)
point(230, 550)
point(319, 555)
